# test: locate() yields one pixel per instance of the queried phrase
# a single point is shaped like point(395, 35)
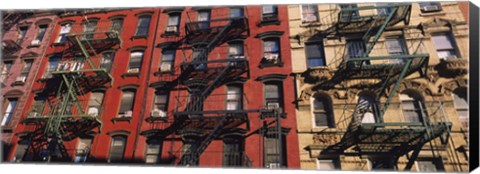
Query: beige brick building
point(393, 102)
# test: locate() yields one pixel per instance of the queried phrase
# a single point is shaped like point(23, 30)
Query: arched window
point(461, 105)
point(367, 105)
point(413, 106)
point(322, 111)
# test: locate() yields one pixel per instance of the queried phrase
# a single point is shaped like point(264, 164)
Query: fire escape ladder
point(380, 30)
point(194, 152)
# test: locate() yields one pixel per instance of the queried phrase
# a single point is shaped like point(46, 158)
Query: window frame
point(265, 61)
point(107, 67)
point(123, 138)
point(239, 96)
point(22, 33)
point(322, 54)
point(278, 154)
point(113, 26)
point(315, 13)
point(273, 16)
point(131, 61)
point(437, 162)
point(454, 50)
point(171, 52)
point(158, 155)
point(139, 26)
point(62, 35)
point(89, 26)
point(169, 25)
point(403, 47)
point(122, 111)
point(158, 104)
point(414, 100)
point(422, 5)
point(6, 119)
point(241, 10)
point(279, 100)
point(6, 66)
point(27, 67)
point(40, 35)
point(327, 111)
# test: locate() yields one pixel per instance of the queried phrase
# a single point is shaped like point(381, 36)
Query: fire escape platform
point(237, 67)
point(96, 40)
point(204, 31)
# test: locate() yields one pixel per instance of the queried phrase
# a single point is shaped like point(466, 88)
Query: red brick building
point(24, 39)
point(173, 86)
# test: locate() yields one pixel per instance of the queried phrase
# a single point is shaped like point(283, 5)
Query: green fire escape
point(67, 116)
point(380, 138)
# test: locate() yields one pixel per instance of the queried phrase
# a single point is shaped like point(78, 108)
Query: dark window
point(107, 61)
point(64, 30)
point(153, 151)
point(273, 95)
point(21, 152)
point(315, 55)
point(126, 106)
point(21, 35)
point(269, 13)
point(168, 60)
point(426, 7)
point(117, 148)
point(233, 151)
point(89, 28)
point(41, 33)
point(322, 112)
point(271, 51)
point(143, 25)
point(309, 13)
point(236, 12)
point(274, 151)
point(135, 62)
point(173, 23)
point(10, 104)
point(117, 24)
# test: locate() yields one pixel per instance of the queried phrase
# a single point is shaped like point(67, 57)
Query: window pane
point(267, 9)
point(117, 148)
point(271, 91)
point(41, 32)
point(203, 16)
point(65, 29)
point(235, 49)
point(309, 13)
point(117, 24)
point(270, 46)
point(107, 61)
point(173, 20)
point(12, 103)
point(168, 55)
point(96, 99)
point(321, 119)
point(127, 101)
point(136, 59)
point(315, 55)
point(355, 48)
point(442, 42)
point(143, 25)
point(236, 12)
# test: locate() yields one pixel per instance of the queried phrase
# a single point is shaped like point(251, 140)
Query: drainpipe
point(142, 113)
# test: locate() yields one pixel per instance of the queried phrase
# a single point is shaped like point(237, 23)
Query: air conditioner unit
point(271, 57)
point(274, 165)
point(430, 8)
point(93, 111)
point(133, 70)
point(128, 114)
point(172, 29)
point(165, 67)
point(158, 113)
point(35, 42)
point(21, 79)
point(273, 105)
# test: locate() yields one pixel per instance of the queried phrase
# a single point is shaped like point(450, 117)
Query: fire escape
point(392, 139)
point(202, 114)
point(66, 114)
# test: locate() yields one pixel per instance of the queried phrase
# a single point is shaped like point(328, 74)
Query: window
point(117, 148)
point(269, 13)
point(203, 18)
point(95, 103)
point(233, 151)
point(384, 11)
point(367, 106)
point(235, 51)
point(236, 12)
point(461, 105)
point(26, 69)
point(191, 144)
point(274, 151)
point(126, 106)
point(234, 98)
point(135, 62)
point(11, 104)
point(117, 24)
point(273, 97)
point(328, 164)
point(107, 61)
point(160, 105)
point(83, 150)
point(445, 46)
point(173, 23)
point(22, 31)
point(153, 151)
point(21, 152)
point(309, 13)
point(168, 59)
point(271, 51)
point(52, 66)
point(315, 55)
point(143, 25)
point(429, 165)
point(6, 69)
point(426, 7)
point(41, 33)
point(322, 112)
point(356, 49)
point(348, 15)
point(88, 28)
point(64, 30)
point(413, 107)
point(396, 46)
point(38, 106)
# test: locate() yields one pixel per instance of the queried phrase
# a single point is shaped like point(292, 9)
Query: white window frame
point(316, 14)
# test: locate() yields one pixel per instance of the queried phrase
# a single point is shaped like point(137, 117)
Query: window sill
point(131, 74)
point(310, 24)
point(58, 44)
point(427, 14)
point(153, 119)
point(167, 34)
point(264, 113)
point(268, 22)
point(33, 46)
point(122, 119)
point(266, 65)
point(139, 37)
point(159, 73)
point(18, 83)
